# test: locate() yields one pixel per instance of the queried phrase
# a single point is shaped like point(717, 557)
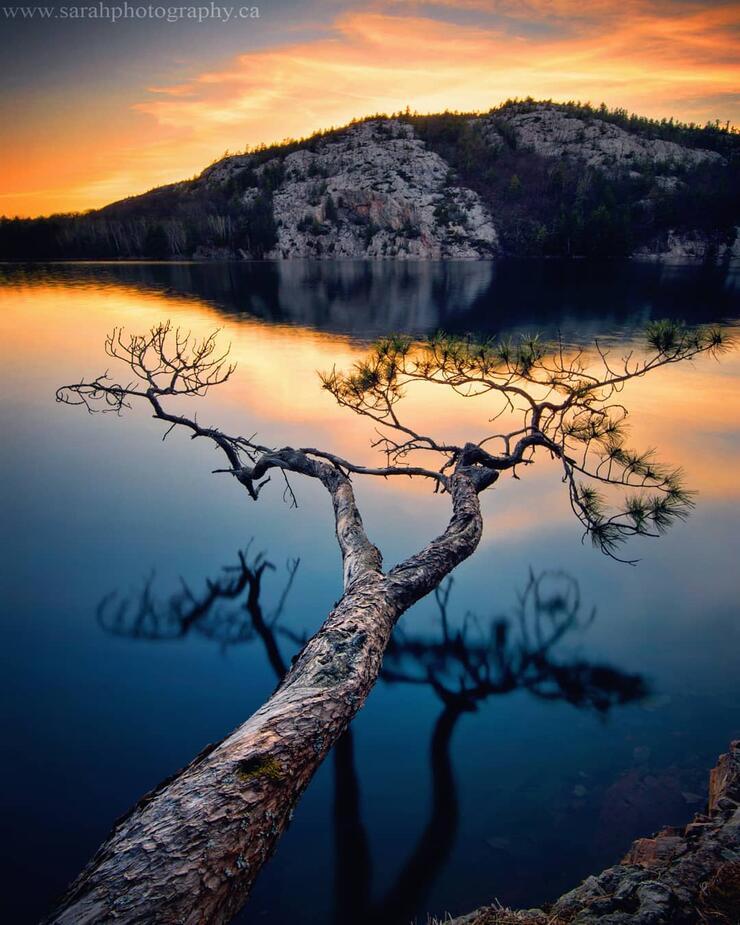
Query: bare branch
point(564, 406)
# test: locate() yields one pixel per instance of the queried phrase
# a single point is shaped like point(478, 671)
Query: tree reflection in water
point(464, 662)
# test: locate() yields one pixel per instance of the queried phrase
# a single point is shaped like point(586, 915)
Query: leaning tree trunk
point(189, 852)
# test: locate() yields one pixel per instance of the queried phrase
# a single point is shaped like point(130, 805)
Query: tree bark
point(189, 852)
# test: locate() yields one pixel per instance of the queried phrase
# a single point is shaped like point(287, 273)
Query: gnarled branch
point(190, 851)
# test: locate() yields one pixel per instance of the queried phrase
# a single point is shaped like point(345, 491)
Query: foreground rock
point(680, 876)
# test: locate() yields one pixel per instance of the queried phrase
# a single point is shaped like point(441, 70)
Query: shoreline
point(681, 875)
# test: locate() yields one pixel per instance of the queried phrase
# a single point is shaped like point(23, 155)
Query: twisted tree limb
point(189, 852)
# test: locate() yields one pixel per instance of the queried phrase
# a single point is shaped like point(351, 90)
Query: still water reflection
point(464, 661)
point(437, 802)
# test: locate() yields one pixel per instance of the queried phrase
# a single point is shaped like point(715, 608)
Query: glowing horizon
point(90, 144)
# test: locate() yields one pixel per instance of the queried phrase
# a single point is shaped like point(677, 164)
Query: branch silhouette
point(466, 666)
point(464, 663)
point(535, 399)
point(565, 405)
point(562, 404)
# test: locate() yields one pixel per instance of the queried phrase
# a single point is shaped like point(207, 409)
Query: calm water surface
point(423, 810)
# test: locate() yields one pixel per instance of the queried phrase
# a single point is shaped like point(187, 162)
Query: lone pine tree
point(190, 850)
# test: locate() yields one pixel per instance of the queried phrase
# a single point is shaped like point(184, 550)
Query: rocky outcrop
point(681, 876)
point(681, 247)
point(525, 179)
point(553, 132)
point(376, 191)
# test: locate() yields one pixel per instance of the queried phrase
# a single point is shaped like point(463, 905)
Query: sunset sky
point(91, 110)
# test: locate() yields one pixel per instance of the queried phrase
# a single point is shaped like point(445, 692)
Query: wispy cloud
point(658, 58)
point(643, 55)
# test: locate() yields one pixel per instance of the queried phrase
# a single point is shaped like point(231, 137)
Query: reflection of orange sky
point(275, 391)
point(655, 58)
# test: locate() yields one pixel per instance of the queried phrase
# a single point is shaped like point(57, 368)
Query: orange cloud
point(378, 62)
point(655, 58)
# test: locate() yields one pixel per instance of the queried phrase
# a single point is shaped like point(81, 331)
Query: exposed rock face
point(223, 171)
point(553, 133)
point(690, 248)
point(377, 191)
point(679, 876)
point(526, 179)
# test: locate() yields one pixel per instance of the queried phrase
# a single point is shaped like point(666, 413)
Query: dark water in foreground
point(427, 808)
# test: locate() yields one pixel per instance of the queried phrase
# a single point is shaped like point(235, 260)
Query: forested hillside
point(526, 178)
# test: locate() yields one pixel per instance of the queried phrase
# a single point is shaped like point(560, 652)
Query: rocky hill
point(375, 190)
point(526, 178)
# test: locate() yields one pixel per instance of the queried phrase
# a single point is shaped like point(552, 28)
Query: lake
point(419, 811)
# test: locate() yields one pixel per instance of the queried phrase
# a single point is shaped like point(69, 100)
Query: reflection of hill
point(366, 298)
